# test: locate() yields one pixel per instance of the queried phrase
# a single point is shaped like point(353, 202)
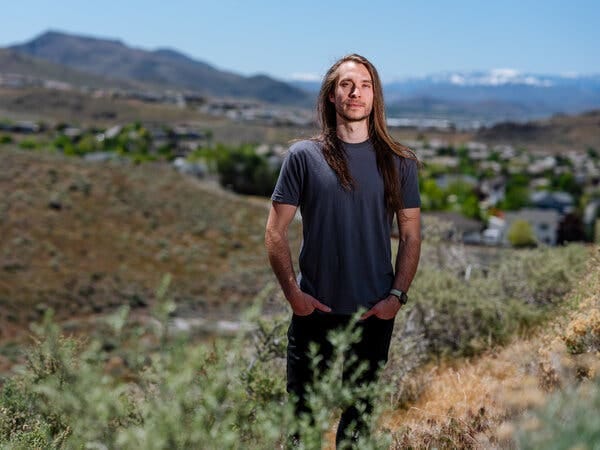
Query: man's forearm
point(407, 261)
point(280, 257)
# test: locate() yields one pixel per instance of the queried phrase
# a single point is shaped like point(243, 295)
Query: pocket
point(376, 317)
point(299, 317)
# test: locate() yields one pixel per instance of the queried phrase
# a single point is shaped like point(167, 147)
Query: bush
point(567, 420)
point(244, 171)
point(171, 395)
point(6, 139)
point(583, 332)
point(152, 389)
point(520, 234)
point(450, 315)
point(28, 144)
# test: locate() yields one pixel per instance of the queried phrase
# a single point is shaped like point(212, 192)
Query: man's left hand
point(384, 309)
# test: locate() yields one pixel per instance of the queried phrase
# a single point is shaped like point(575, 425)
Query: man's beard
point(349, 118)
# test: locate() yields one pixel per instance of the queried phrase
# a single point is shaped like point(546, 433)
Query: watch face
point(400, 296)
point(404, 298)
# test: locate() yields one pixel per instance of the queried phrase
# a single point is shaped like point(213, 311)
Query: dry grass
point(84, 110)
point(84, 238)
point(553, 135)
point(476, 403)
point(79, 108)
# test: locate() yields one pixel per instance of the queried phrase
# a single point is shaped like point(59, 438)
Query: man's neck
point(352, 132)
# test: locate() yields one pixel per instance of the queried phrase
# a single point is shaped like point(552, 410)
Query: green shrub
point(245, 171)
point(153, 389)
point(451, 316)
point(173, 394)
point(567, 420)
point(65, 144)
point(28, 144)
point(520, 234)
point(541, 276)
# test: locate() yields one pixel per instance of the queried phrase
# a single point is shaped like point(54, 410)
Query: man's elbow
point(273, 236)
point(413, 238)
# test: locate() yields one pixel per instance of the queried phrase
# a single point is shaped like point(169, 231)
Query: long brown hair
point(385, 146)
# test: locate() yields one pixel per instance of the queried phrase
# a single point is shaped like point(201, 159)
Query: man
point(349, 182)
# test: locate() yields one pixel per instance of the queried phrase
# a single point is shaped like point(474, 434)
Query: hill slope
point(558, 133)
point(491, 401)
point(84, 238)
point(14, 62)
point(166, 68)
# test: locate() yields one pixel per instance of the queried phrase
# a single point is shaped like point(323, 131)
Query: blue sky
point(285, 39)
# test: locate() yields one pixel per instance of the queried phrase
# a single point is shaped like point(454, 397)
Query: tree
point(566, 182)
point(520, 234)
point(432, 195)
point(246, 172)
point(515, 198)
point(571, 229)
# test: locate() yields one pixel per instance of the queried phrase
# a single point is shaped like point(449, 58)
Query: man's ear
point(331, 97)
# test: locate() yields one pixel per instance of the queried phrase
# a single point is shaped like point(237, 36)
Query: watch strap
point(400, 295)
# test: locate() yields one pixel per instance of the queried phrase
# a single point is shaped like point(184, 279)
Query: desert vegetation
point(113, 261)
point(84, 238)
point(142, 384)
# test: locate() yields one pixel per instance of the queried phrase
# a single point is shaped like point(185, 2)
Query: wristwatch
point(400, 296)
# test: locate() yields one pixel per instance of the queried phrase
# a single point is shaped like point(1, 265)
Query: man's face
point(353, 92)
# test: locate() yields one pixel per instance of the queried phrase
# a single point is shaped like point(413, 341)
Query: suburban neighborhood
point(484, 191)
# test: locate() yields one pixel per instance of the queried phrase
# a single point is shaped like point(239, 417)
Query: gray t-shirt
point(345, 259)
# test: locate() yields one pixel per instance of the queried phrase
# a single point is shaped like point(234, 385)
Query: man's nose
point(355, 92)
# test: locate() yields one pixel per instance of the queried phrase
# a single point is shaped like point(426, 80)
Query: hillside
point(489, 96)
point(84, 238)
point(470, 356)
point(535, 391)
point(557, 133)
point(80, 109)
point(498, 94)
point(53, 106)
point(13, 62)
point(165, 68)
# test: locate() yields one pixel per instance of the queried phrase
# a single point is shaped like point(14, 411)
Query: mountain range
point(497, 94)
point(484, 96)
point(163, 68)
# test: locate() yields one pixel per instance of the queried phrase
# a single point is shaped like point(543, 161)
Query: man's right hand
point(304, 304)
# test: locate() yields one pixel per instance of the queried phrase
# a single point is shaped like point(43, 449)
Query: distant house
point(445, 180)
point(424, 154)
point(507, 152)
point(73, 133)
point(539, 183)
point(542, 165)
point(494, 166)
point(494, 233)
point(197, 169)
point(25, 127)
point(445, 161)
point(464, 229)
point(492, 191)
point(183, 133)
point(562, 202)
point(478, 151)
point(544, 222)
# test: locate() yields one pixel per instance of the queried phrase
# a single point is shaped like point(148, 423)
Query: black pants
point(372, 348)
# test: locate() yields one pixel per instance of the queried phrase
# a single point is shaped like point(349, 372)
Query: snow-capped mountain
point(492, 95)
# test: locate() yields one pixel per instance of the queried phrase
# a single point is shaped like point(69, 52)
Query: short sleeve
point(288, 188)
point(409, 180)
